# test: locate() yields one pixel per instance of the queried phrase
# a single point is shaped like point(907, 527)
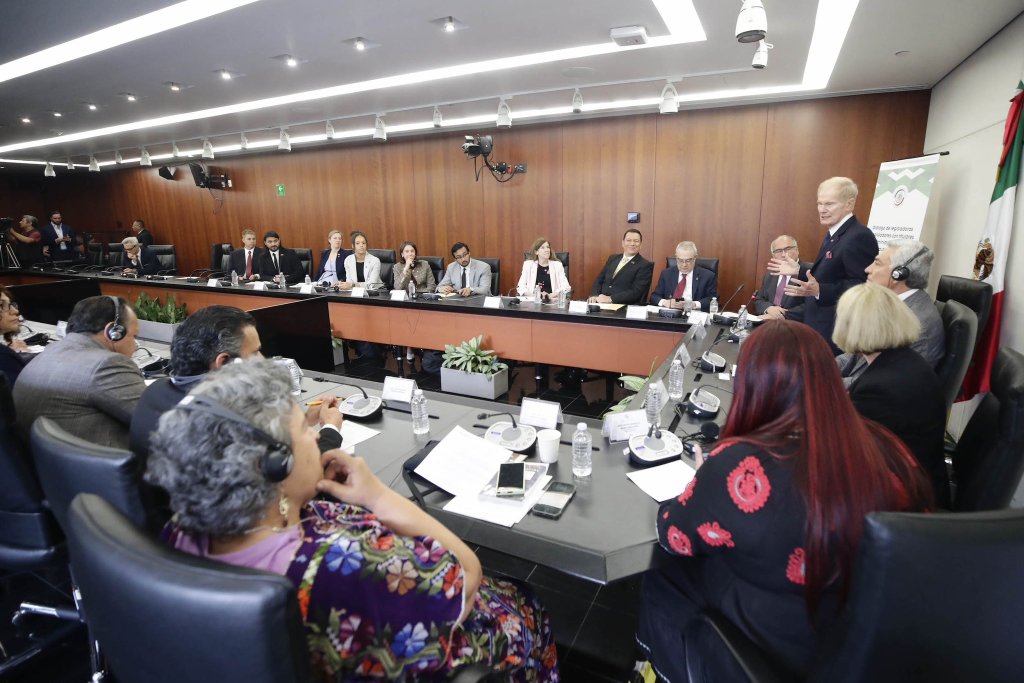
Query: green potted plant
point(472, 370)
point(158, 321)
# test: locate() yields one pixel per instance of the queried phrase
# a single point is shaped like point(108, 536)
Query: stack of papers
point(665, 481)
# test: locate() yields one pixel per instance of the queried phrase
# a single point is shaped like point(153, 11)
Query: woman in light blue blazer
point(361, 267)
point(544, 270)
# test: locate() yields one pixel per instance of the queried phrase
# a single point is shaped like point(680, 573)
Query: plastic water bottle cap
point(581, 425)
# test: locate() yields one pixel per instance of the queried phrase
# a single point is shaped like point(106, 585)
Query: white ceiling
point(932, 35)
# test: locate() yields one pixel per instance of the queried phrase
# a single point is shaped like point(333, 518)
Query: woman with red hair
point(769, 527)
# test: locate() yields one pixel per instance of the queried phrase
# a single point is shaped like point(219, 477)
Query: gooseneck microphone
point(515, 438)
point(363, 407)
point(721, 319)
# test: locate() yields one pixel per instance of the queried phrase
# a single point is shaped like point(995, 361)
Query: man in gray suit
point(86, 382)
point(771, 301)
point(464, 275)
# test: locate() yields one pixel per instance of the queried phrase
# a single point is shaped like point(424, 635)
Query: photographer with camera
point(27, 241)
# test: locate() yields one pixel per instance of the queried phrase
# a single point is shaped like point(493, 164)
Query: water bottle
point(713, 307)
point(307, 280)
point(563, 297)
point(234, 278)
point(411, 289)
point(582, 461)
point(741, 320)
point(420, 413)
point(536, 293)
point(652, 406)
point(675, 380)
point(294, 370)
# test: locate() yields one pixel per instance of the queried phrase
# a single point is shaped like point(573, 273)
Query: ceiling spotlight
point(449, 25)
point(359, 44)
point(57, 114)
point(504, 115)
point(285, 143)
point(225, 74)
point(244, 142)
point(437, 117)
point(329, 131)
point(761, 55)
point(752, 23)
point(118, 158)
point(25, 119)
point(380, 132)
point(71, 166)
point(94, 166)
point(577, 102)
point(48, 171)
point(291, 61)
point(174, 149)
point(669, 103)
point(207, 149)
point(174, 87)
point(92, 107)
point(130, 97)
point(144, 159)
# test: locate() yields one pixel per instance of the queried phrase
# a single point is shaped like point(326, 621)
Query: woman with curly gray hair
point(385, 590)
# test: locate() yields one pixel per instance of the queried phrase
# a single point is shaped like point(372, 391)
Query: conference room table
point(528, 332)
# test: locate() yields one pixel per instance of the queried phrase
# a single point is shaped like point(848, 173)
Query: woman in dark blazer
point(12, 358)
point(332, 260)
point(898, 389)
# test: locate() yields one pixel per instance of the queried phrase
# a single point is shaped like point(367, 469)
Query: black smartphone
point(511, 479)
point(556, 496)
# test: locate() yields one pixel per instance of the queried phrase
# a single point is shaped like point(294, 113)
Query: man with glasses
point(686, 285)
point(625, 278)
point(137, 259)
point(771, 301)
point(465, 276)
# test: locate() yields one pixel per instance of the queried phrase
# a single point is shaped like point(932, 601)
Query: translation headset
point(277, 463)
point(116, 332)
point(901, 273)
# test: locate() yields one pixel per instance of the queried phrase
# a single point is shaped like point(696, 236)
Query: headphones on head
point(116, 332)
point(277, 463)
point(901, 273)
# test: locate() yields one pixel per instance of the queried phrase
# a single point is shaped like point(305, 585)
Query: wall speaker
point(167, 172)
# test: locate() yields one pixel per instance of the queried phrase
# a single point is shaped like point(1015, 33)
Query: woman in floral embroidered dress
point(769, 527)
point(385, 590)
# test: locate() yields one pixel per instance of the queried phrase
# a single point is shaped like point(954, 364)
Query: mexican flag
point(994, 246)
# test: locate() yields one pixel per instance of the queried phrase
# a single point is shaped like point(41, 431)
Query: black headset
point(116, 332)
point(277, 463)
point(901, 273)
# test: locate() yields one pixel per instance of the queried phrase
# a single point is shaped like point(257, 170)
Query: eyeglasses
point(8, 306)
point(686, 261)
point(783, 250)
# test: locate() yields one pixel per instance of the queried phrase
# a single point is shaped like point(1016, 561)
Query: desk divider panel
point(50, 302)
point(299, 329)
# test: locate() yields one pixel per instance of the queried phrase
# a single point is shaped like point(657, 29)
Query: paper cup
point(547, 444)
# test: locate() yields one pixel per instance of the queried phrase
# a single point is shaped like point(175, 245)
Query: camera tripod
point(7, 257)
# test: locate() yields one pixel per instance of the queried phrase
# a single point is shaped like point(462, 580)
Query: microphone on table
point(512, 301)
point(708, 433)
point(721, 319)
point(360, 408)
point(515, 438)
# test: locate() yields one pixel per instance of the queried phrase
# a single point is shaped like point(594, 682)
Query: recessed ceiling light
point(449, 25)
point(225, 74)
point(174, 87)
point(57, 114)
point(359, 44)
point(25, 119)
point(92, 107)
point(128, 96)
point(291, 61)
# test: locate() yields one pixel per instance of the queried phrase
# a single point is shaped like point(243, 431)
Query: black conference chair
point(436, 265)
point(495, 264)
point(961, 326)
point(94, 254)
point(114, 252)
point(562, 256)
point(385, 255)
point(306, 257)
point(709, 263)
point(30, 540)
point(220, 257)
point(387, 275)
point(989, 458)
point(166, 254)
point(164, 616)
point(934, 598)
point(973, 294)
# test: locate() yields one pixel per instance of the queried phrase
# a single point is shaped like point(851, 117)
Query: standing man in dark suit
point(145, 237)
point(59, 239)
point(686, 282)
point(245, 261)
point(625, 279)
point(137, 259)
point(771, 301)
point(276, 261)
point(845, 252)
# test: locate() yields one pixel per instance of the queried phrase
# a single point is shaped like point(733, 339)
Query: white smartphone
point(511, 479)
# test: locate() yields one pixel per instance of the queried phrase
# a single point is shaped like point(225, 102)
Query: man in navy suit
point(59, 239)
point(771, 301)
point(245, 261)
point(845, 252)
point(686, 282)
point(137, 259)
point(625, 278)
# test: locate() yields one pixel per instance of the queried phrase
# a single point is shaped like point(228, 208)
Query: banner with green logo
point(901, 198)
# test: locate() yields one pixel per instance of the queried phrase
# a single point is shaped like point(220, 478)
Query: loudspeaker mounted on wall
point(167, 172)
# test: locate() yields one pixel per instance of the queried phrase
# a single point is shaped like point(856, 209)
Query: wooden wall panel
point(731, 179)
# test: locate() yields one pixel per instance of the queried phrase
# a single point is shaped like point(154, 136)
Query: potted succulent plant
point(471, 370)
point(157, 322)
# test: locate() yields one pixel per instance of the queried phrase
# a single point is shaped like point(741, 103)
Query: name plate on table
point(399, 295)
point(306, 289)
point(662, 394)
point(577, 306)
point(398, 389)
point(622, 426)
point(636, 312)
point(62, 328)
point(359, 291)
point(259, 286)
point(212, 282)
point(538, 413)
point(492, 302)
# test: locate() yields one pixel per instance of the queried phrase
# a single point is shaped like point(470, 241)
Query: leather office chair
point(94, 253)
point(495, 264)
point(113, 256)
point(934, 598)
point(387, 275)
point(436, 265)
point(562, 256)
point(709, 263)
point(220, 257)
point(166, 254)
point(989, 458)
point(306, 257)
point(961, 327)
point(163, 615)
point(385, 255)
point(977, 296)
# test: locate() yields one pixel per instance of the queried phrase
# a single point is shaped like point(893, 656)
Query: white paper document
point(353, 433)
point(497, 511)
point(664, 481)
point(462, 463)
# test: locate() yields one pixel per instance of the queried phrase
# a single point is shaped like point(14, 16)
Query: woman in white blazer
point(360, 262)
point(544, 270)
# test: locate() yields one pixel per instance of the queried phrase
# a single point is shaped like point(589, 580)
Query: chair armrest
point(748, 656)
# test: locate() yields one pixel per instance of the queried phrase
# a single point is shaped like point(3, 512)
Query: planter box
point(339, 354)
point(474, 384)
point(159, 332)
